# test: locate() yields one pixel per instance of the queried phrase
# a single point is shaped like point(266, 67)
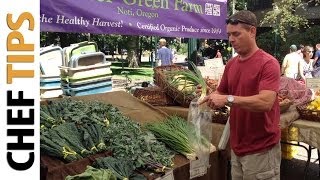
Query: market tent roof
point(170, 18)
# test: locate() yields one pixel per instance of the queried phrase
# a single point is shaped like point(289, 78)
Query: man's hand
point(215, 100)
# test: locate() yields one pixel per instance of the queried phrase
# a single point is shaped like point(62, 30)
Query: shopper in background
point(290, 63)
point(249, 85)
point(306, 63)
point(164, 55)
point(317, 56)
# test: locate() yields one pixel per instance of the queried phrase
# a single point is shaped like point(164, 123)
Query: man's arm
point(268, 88)
point(261, 102)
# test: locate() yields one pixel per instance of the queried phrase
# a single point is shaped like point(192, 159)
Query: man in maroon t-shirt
point(249, 85)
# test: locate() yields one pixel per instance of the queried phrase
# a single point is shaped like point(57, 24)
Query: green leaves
point(284, 17)
point(127, 140)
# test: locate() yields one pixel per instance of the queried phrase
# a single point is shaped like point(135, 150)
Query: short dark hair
point(245, 17)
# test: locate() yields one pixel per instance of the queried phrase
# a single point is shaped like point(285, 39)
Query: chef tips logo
point(19, 87)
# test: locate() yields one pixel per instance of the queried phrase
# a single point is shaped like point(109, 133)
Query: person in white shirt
point(290, 63)
point(306, 63)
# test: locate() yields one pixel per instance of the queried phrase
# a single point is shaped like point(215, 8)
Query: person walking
point(249, 85)
point(164, 55)
point(290, 63)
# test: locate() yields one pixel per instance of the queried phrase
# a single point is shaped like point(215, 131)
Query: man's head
point(162, 42)
point(318, 46)
point(242, 29)
point(293, 48)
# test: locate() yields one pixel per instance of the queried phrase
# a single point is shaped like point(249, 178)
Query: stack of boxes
point(85, 71)
point(51, 58)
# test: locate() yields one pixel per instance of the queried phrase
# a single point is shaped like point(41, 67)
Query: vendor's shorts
point(265, 165)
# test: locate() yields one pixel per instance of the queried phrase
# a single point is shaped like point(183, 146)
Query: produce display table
point(286, 119)
point(182, 168)
point(309, 133)
point(142, 112)
point(217, 129)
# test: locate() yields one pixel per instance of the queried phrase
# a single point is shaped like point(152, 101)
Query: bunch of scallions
point(187, 81)
point(180, 135)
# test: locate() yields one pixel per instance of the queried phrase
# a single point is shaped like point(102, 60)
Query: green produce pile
point(72, 142)
point(128, 141)
point(73, 129)
point(80, 112)
point(180, 136)
point(120, 168)
point(92, 173)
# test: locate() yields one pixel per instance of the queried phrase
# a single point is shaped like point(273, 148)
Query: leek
point(180, 136)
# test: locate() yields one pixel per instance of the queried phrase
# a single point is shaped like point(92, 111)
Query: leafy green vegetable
point(122, 169)
point(94, 174)
point(127, 141)
point(180, 136)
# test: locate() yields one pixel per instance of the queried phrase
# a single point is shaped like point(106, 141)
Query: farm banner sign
point(169, 18)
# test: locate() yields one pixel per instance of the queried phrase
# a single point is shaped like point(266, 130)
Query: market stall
point(142, 113)
point(145, 113)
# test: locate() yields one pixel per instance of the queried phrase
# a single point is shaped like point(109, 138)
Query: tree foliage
point(308, 37)
point(283, 18)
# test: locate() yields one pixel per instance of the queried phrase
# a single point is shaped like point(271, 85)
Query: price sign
point(313, 83)
point(213, 63)
point(197, 168)
point(200, 171)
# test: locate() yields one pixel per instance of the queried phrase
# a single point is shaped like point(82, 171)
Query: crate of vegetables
point(310, 111)
point(153, 95)
point(160, 74)
point(180, 83)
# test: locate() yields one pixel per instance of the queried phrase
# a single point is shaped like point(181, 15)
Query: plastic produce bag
point(225, 137)
point(201, 118)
